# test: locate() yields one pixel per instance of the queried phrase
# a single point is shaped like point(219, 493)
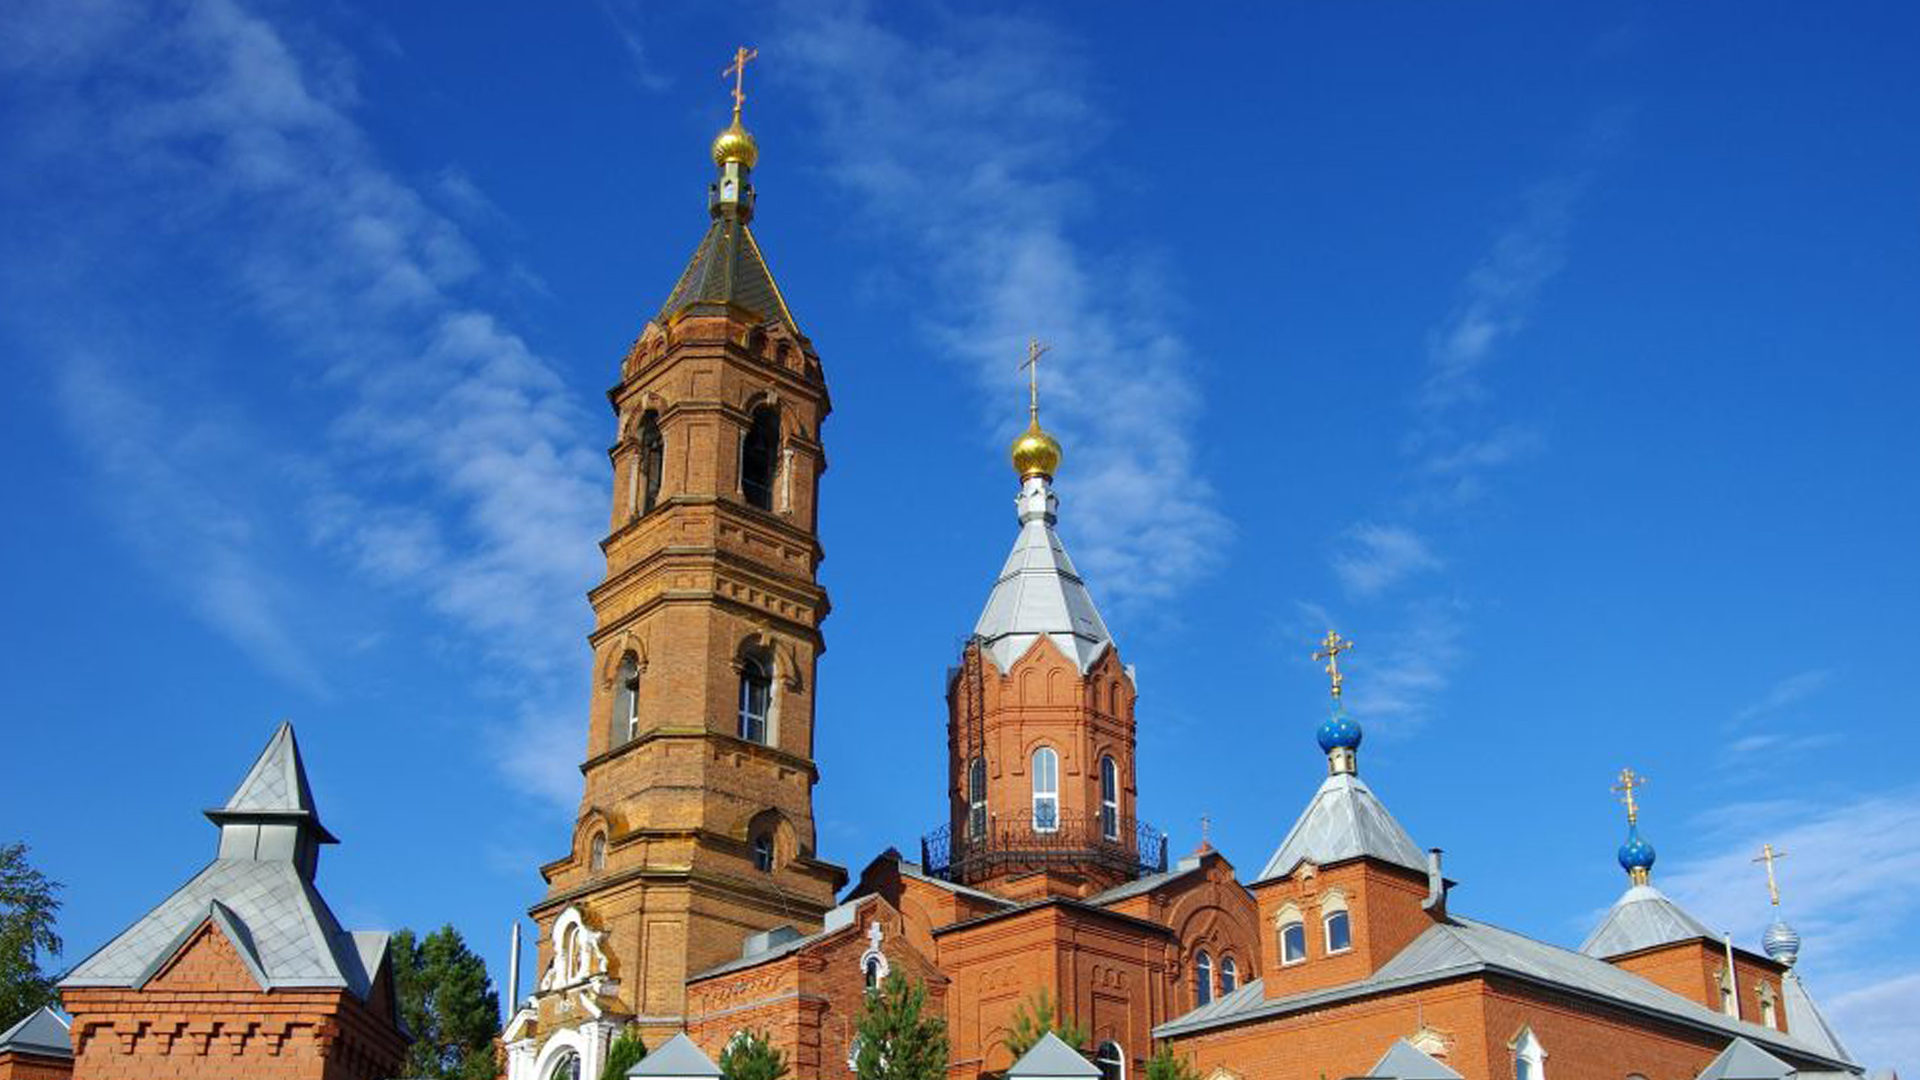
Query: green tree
point(624, 1054)
point(448, 1003)
point(28, 903)
point(1035, 1017)
point(898, 1040)
point(749, 1056)
point(1165, 1066)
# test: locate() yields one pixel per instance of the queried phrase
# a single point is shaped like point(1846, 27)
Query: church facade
point(691, 895)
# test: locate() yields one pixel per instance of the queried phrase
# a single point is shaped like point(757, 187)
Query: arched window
point(763, 851)
point(653, 455)
point(626, 701)
point(1290, 933)
point(760, 457)
point(875, 971)
point(1046, 790)
point(1768, 1014)
point(1229, 976)
point(1109, 799)
point(977, 797)
point(756, 696)
point(1529, 1057)
point(1335, 922)
point(597, 852)
point(1112, 1061)
point(1202, 979)
point(565, 1067)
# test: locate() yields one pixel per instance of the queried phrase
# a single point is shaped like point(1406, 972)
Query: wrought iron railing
point(1012, 843)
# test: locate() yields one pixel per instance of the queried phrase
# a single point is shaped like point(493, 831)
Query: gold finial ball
point(1035, 453)
point(735, 145)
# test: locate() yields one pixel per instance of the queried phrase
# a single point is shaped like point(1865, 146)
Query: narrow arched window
point(763, 852)
point(653, 456)
point(977, 797)
point(1202, 979)
point(1046, 790)
point(626, 700)
point(1293, 941)
point(756, 696)
point(565, 1067)
point(1112, 1061)
point(1229, 976)
point(1339, 931)
point(873, 973)
point(1529, 1057)
point(760, 457)
point(597, 852)
point(1109, 799)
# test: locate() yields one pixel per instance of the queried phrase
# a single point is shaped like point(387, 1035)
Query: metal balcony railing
point(1012, 843)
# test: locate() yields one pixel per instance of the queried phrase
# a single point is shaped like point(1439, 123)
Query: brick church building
point(692, 895)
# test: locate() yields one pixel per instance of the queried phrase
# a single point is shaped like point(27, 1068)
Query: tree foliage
point(898, 1040)
point(28, 903)
point(625, 1052)
point(749, 1056)
point(1165, 1065)
point(448, 1003)
point(1034, 1017)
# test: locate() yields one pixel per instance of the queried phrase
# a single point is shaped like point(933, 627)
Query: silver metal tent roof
point(1642, 918)
point(1039, 593)
point(1344, 820)
point(1405, 1061)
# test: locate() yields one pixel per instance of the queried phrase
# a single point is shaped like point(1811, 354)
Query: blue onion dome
point(1782, 943)
point(1338, 733)
point(1636, 855)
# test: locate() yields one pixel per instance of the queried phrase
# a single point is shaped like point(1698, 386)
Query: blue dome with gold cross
point(1636, 854)
point(1338, 732)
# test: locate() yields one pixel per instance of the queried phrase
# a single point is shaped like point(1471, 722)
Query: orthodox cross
point(1629, 780)
point(1205, 822)
point(1330, 649)
point(1768, 855)
point(738, 69)
point(1031, 366)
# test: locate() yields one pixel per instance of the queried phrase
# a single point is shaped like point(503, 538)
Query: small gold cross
point(1031, 366)
point(1629, 780)
point(738, 70)
point(1769, 856)
point(1330, 649)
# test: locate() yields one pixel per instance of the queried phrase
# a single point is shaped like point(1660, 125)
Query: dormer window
point(1046, 790)
point(1202, 978)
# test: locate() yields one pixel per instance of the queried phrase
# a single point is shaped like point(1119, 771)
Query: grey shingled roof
point(1806, 1021)
point(44, 1032)
point(727, 270)
point(1642, 918)
point(677, 1057)
point(1461, 946)
point(1051, 1059)
point(266, 907)
point(1742, 1060)
point(1405, 1061)
point(1146, 884)
point(1345, 820)
point(1039, 593)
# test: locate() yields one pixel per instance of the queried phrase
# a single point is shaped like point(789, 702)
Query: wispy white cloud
point(624, 17)
point(1847, 887)
point(1373, 557)
point(451, 463)
point(954, 140)
point(1403, 669)
point(1784, 694)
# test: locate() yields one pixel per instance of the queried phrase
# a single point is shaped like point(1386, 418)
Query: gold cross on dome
point(1769, 856)
point(1031, 365)
point(738, 70)
point(1330, 649)
point(1630, 780)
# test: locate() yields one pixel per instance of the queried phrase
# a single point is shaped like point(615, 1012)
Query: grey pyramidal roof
point(1051, 1059)
point(1742, 1060)
point(677, 1057)
point(1806, 1021)
point(1642, 918)
point(1461, 946)
point(258, 893)
point(1345, 820)
point(1405, 1061)
point(44, 1031)
point(1039, 593)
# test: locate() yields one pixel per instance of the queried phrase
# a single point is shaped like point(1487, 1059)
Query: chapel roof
point(1405, 1061)
point(1642, 918)
point(1742, 1060)
point(1053, 1059)
point(44, 1031)
point(676, 1057)
point(1344, 820)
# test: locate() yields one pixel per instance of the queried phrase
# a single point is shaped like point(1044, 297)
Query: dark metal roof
point(727, 271)
point(44, 1032)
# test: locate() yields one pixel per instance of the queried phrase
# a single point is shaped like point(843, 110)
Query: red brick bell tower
point(1040, 728)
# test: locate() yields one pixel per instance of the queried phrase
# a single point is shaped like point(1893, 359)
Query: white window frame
point(629, 694)
point(748, 665)
point(1229, 976)
point(1202, 978)
point(1529, 1057)
point(1289, 918)
point(1109, 798)
point(1046, 789)
point(977, 798)
point(1112, 1054)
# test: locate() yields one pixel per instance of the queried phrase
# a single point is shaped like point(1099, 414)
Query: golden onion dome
point(1035, 453)
point(735, 144)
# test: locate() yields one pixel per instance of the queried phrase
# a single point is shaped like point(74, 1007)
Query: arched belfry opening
point(760, 458)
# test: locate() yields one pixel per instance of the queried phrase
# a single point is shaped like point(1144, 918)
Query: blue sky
point(1565, 361)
